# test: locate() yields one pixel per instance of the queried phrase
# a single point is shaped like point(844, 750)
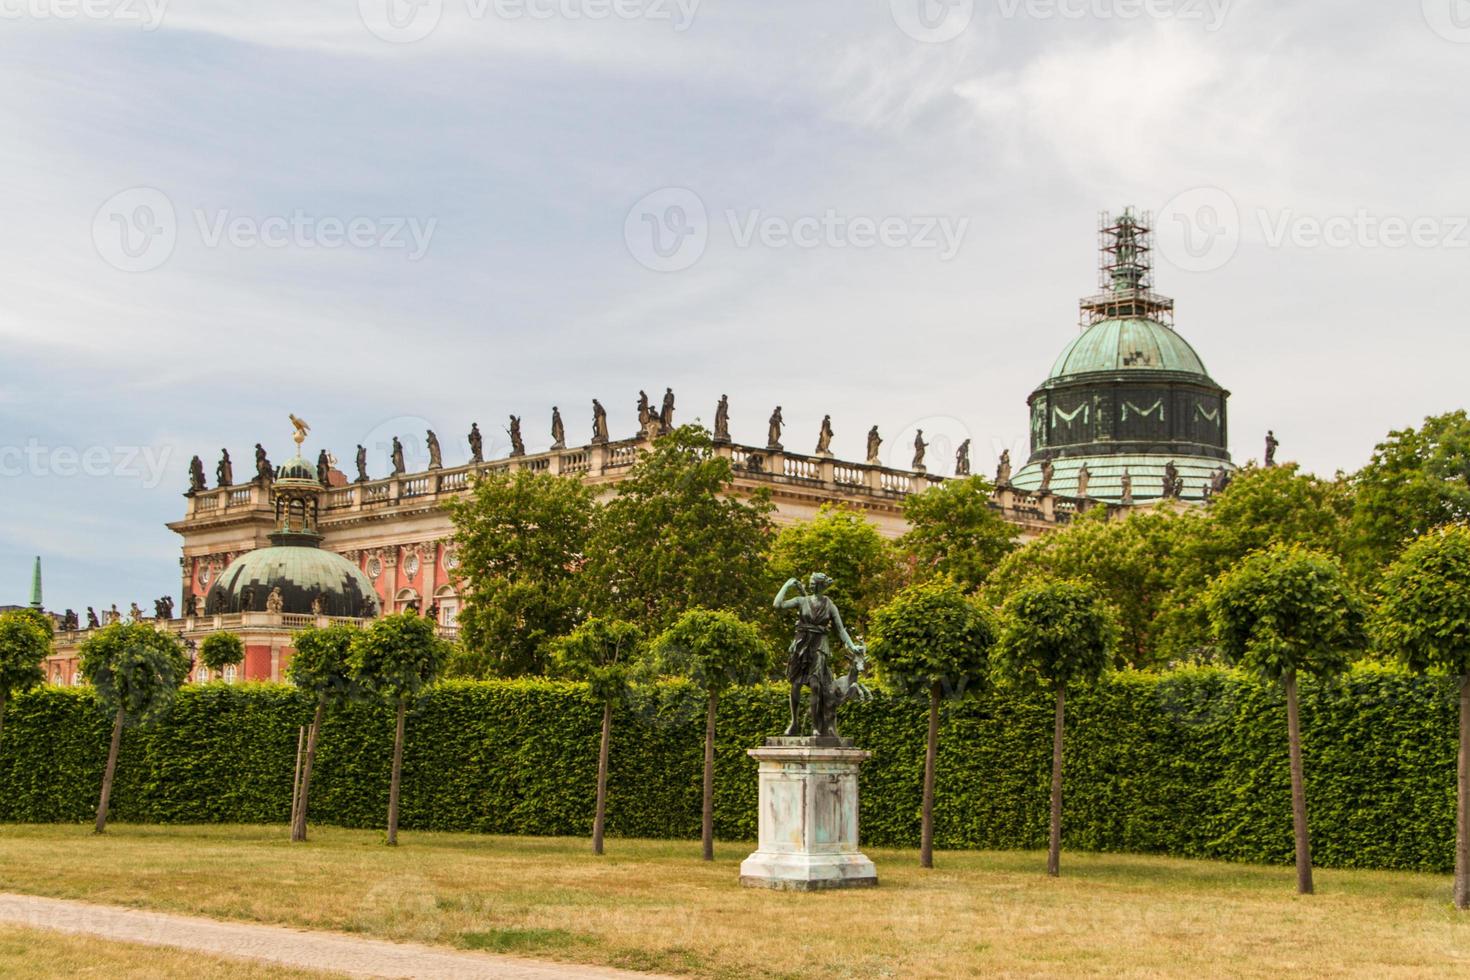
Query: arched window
point(406, 599)
point(230, 674)
point(448, 605)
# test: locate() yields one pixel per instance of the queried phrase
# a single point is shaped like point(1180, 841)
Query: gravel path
point(300, 948)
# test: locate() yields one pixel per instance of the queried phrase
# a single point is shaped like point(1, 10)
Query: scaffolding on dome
point(1125, 272)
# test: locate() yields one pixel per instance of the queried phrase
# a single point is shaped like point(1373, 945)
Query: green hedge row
point(1190, 763)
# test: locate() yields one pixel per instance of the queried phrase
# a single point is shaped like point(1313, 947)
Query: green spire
point(36, 585)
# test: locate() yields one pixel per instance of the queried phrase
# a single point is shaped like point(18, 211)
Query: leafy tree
point(845, 545)
point(1417, 480)
point(521, 538)
point(135, 670)
point(395, 658)
point(1055, 636)
point(24, 644)
point(221, 650)
point(321, 668)
point(1128, 561)
point(716, 650)
point(676, 538)
point(1280, 612)
point(1424, 618)
point(601, 652)
point(930, 639)
point(954, 531)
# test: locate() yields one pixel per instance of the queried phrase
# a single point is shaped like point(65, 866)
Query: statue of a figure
point(645, 413)
point(599, 422)
point(875, 442)
point(168, 607)
point(225, 471)
point(1047, 469)
point(396, 457)
point(666, 412)
point(722, 419)
point(274, 603)
point(324, 468)
point(919, 446)
point(92, 622)
point(1219, 480)
point(1271, 445)
point(264, 472)
point(1127, 480)
point(773, 429)
point(113, 616)
point(811, 655)
point(477, 444)
point(362, 476)
point(135, 614)
point(197, 481)
point(1003, 470)
point(824, 438)
point(1084, 477)
point(247, 600)
point(199, 604)
point(558, 431)
point(962, 459)
point(318, 605)
point(436, 455)
point(517, 446)
point(69, 621)
point(1173, 486)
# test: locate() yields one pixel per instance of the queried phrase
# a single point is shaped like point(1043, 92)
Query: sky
point(392, 215)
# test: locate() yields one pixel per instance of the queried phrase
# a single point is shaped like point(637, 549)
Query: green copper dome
point(302, 574)
point(1125, 344)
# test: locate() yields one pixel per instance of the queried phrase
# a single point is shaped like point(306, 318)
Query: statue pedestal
point(808, 817)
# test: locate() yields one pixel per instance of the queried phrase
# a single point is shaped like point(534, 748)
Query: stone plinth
point(808, 817)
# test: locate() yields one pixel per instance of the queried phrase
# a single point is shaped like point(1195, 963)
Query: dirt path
point(303, 949)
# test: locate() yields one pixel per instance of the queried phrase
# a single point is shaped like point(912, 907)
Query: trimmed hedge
point(1191, 763)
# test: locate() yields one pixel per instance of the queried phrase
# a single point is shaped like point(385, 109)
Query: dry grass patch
point(652, 905)
point(30, 954)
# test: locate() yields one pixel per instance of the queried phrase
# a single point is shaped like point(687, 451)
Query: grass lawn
point(34, 953)
point(653, 905)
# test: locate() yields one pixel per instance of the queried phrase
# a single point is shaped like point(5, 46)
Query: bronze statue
point(824, 438)
point(773, 430)
point(1003, 469)
point(517, 447)
point(197, 481)
point(558, 431)
point(811, 653)
point(92, 622)
point(264, 472)
point(599, 422)
point(875, 442)
point(436, 457)
point(1047, 469)
point(919, 447)
point(666, 412)
point(324, 468)
point(1084, 477)
point(225, 471)
point(722, 419)
point(1219, 480)
point(397, 457)
point(1173, 485)
point(962, 459)
point(362, 474)
point(1271, 445)
point(477, 444)
point(69, 621)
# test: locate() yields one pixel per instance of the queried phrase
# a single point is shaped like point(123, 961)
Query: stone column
point(808, 817)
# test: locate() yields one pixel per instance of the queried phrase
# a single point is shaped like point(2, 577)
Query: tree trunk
point(296, 777)
point(599, 820)
point(107, 774)
point(1054, 847)
point(313, 734)
point(397, 773)
point(931, 748)
point(1298, 789)
point(1462, 818)
point(707, 833)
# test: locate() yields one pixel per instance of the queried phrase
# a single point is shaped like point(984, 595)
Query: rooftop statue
point(92, 622)
point(962, 459)
point(197, 481)
point(599, 422)
point(645, 413)
point(323, 468)
point(919, 447)
point(558, 430)
point(362, 474)
point(436, 455)
point(301, 428)
point(824, 438)
point(274, 602)
point(1173, 485)
point(773, 429)
point(1084, 477)
point(666, 412)
point(517, 446)
point(396, 457)
point(1003, 469)
point(264, 472)
point(722, 419)
point(1127, 496)
point(875, 442)
point(225, 471)
point(1271, 445)
point(477, 444)
point(1047, 469)
point(811, 655)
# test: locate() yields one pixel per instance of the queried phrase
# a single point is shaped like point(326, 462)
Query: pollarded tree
point(1279, 613)
point(135, 670)
point(1424, 618)
point(717, 651)
point(601, 652)
point(221, 650)
point(954, 531)
point(1054, 637)
point(320, 667)
point(24, 643)
point(395, 658)
point(932, 640)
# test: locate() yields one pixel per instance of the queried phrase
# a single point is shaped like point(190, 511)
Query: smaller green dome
point(303, 574)
point(296, 468)
point(1128, 344)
